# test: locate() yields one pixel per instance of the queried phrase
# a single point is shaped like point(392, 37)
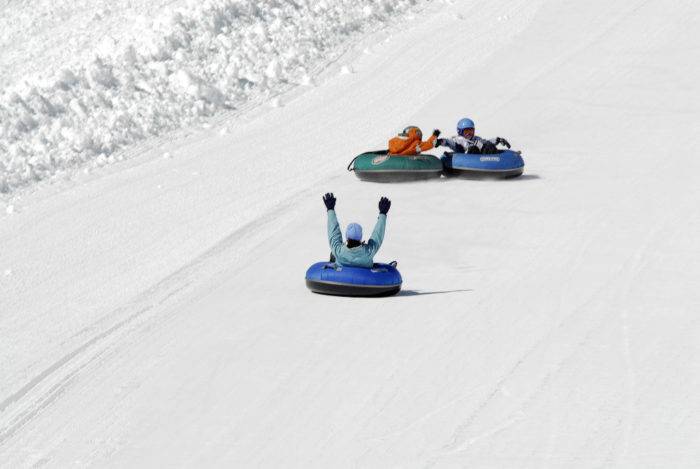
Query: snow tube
point(380, 166)
point(329, 278)
point(505, 164)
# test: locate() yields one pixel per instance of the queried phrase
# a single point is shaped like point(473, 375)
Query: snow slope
point(186, 62)
point(157, 315)
point(39, 37)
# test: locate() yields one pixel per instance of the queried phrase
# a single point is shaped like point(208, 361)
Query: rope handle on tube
point(377, 152)
point(352, 162)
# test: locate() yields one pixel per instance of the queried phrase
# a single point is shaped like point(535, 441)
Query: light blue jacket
point(359, 256)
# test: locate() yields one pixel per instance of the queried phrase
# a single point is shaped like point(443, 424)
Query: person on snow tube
point(466, 142)
point(409, 142)
point(355, 253)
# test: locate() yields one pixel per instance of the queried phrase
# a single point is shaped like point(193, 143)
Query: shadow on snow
point(417, 292)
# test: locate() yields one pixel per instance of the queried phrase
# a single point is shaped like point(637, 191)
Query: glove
point(329, 200)
point(436, 132)
point(384, 205)
point(440, 142)
point(502, 141)
point(488, 148)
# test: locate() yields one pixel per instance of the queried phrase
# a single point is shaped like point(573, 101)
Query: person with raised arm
point(410, 142)
point(354, 252)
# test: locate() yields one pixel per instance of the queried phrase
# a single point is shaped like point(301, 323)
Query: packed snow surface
point(192, 61)
point(153, 312)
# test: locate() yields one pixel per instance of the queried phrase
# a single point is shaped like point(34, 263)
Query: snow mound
point(179, 68)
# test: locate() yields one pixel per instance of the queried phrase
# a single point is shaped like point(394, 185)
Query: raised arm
point(450, 142)
point(375, 241)
point(431, 142)
point(335, 238)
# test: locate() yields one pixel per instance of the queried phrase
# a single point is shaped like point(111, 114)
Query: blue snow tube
point(329, 278)
point(505, 164)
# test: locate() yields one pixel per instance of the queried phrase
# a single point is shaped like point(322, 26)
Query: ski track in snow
point(586, 358)
point(40, 391)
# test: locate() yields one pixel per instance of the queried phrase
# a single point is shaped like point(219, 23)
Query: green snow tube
point(380, 166)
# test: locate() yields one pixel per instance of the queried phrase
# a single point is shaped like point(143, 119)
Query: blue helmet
point(354, 232)
point(465, 123)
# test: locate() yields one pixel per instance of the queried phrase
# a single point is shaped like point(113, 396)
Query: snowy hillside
point(152, 76)
point(153, 311)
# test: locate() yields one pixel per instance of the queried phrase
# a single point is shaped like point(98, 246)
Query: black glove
point(329, 200)
point(436, 132)
point(502, 141)
point(440, 142)
point(384, 205)
point(488, 148)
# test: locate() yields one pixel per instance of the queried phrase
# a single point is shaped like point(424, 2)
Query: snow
point(153, 312)
point(192, 61)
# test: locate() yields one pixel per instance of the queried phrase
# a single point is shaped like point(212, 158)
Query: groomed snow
point(153, 313)
point(190, 62)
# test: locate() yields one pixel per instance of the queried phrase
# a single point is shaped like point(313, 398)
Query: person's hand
point(436, 132)
point(439, 142)
point(488, 148)
point(329, 200)
point(502, 141)
point(384, 205)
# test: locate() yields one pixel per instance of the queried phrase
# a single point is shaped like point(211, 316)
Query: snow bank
point(179, 68)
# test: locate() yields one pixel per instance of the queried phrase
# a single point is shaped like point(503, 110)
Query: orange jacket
point(410, 144)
